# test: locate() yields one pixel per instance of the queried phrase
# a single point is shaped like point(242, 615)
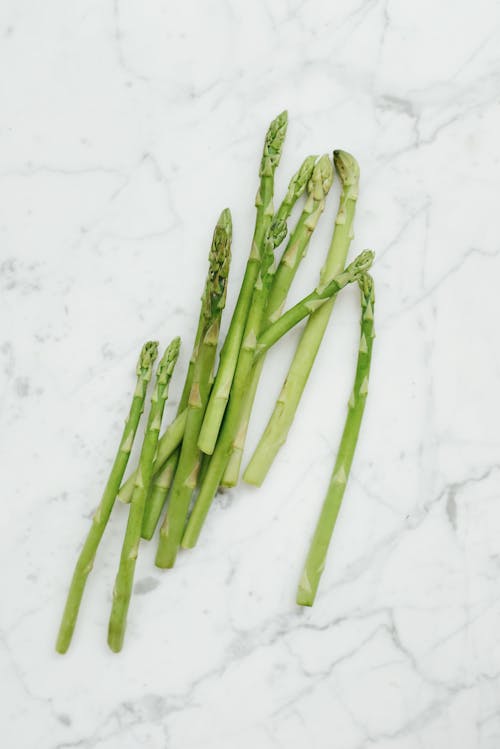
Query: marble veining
point(126, 127)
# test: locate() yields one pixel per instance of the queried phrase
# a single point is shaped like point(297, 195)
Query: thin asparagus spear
point(284, 411)
point(167, 444)
point(125, 577)
point(318, 186)
point(160, 487)
point(314, 301)
point(318, 550)
point(162, 481)
point(189, 461)
point(87, 555)
point(229, 355)
point(170, 439)
point(296, 188)
point(278, 329)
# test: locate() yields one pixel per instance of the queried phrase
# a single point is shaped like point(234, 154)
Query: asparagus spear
point(167, 445)
point(318, 550)
point(170, 439)
point(284, 411)
point(278, 329)
point(314, 301)
point(318, 185)
point(189, 461)
point(87, 555)
point(229, 355)
point(125, 577)
point(162, 481)
point(160, 487)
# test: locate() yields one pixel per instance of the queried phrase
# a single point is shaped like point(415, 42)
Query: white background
point(125, 128)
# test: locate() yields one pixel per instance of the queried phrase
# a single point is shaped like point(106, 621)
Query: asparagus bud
point(273, 145)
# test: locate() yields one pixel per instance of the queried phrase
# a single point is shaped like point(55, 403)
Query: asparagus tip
point(347, 167)
point(214, 296)
point(273, 144)
point(367, 288)
point(168, 360)
point(225, 221)
point(321, 178)
point(147, 358)
point(301, 179)
point(277, 232)
point(361, 264)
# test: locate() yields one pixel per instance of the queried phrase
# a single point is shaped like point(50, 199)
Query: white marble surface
point(125, 128)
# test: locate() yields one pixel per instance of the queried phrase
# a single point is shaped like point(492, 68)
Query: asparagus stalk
point(318, 550)
point(167, 445)
point(160, 487)
point(125, 577)
point(318, 183)
point(162, 481)
point(284, 411)
point(186, 475)
point(218, 460)
point(229, 355)
point(87, 555)
point(314, 301)
point(258, 348)
point(170, 439)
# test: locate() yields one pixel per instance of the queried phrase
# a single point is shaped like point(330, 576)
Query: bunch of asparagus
point(202, 448)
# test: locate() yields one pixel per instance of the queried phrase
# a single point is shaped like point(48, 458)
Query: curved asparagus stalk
point(186, 475)
point(163, 480)
point(125, 577)
point(318, 184)
point(284, 411)
point(278, 329)
point(318, 550)
point(229, 355)
point(99, 521)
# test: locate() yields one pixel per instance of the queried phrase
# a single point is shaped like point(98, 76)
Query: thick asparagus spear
point(229, 355)
point(125, 577)
point(284, 411)
point(162, 481)
point(318, 185)
point(318, 550)
point(87, 555)
point(258, 348)
point(189, 461)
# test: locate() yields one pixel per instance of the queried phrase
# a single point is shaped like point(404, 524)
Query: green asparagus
point(186, 475)
point(101, 516)
point(318, 550)
point(318, 185)
point(282, 418)
point(258, 348)
point(125, 577)
point(162, 481)
point(229, 355)
point(167, 445)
